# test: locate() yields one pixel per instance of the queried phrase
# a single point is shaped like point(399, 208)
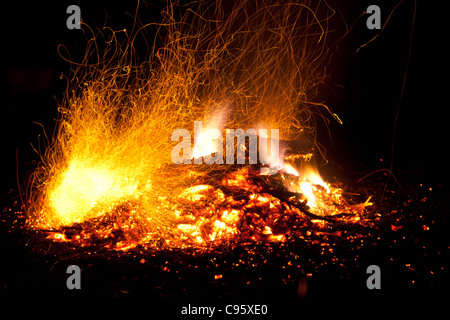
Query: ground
point(408, 241)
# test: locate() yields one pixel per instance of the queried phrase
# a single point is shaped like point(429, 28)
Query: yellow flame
point(83, 188)
point(308, 180)
point(312, 175)
point(206, 142)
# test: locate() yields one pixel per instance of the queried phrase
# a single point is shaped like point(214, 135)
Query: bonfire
point(108, 177)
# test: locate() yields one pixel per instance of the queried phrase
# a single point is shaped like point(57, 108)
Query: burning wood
point(220, 206)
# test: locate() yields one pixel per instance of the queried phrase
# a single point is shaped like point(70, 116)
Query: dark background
point(371, 94)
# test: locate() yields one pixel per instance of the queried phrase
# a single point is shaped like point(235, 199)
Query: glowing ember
point(238, 207)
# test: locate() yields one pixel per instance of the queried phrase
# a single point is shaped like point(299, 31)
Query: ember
point(237, 206)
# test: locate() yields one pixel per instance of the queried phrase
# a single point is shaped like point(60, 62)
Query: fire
point(309, 185)
point(205, 141)
point(84, 188)
point(107, 176)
